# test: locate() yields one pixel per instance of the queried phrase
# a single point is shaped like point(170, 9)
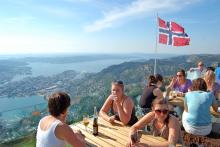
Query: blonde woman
point(212, 86)
point(121, 106)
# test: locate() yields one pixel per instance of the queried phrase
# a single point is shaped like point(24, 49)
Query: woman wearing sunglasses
point(180, 83)
point(163, 124)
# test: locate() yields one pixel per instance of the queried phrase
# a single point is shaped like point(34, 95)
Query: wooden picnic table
point(113, 135)
point(178, 101)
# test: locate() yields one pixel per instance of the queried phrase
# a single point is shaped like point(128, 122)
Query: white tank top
point(48, 138)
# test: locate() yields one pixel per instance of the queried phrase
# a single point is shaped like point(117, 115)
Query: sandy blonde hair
point(209, 77)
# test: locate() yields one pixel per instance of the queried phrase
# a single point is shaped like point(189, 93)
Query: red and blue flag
point(171, 33)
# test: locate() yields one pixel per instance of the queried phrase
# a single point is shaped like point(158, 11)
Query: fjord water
point(40, 68)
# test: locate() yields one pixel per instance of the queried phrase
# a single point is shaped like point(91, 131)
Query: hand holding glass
point(135, 137)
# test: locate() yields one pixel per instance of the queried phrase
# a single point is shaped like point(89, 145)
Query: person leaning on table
point(163, 124)
point(196, 117)
point(122, 107)
point(52, 130)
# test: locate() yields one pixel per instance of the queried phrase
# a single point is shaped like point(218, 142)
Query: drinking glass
point(135, 137)
point(85, 121)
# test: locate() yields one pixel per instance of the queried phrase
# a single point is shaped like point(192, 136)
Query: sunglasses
point(161, 111)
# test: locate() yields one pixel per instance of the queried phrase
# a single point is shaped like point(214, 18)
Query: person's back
point(46, 136)
point(52, 130)
point(199, 103)
point(147, 97)
point(196, 117)
point(151, 91)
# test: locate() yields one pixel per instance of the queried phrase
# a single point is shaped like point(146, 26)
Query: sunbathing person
point(163, 124)
point(52, 130)
point(121, 106)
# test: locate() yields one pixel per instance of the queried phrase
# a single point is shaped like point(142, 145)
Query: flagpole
point(155, 59)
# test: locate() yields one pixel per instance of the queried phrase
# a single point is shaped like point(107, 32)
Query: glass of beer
point(85, 121)
point(135, 137)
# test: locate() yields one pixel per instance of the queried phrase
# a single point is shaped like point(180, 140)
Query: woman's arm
point(215, 105)
point(63, 131)
point(140, 124)
point(105, 108)
point(174, 130)
point(173, 81)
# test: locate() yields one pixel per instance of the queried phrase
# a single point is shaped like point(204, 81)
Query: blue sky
point(105, 26)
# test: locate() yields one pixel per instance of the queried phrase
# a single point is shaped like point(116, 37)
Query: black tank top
point(147, 97)
point(133, 118)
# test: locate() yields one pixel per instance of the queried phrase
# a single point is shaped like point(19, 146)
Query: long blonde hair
point(209, 78)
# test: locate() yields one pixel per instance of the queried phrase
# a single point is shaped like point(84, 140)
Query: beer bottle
point(95, 122)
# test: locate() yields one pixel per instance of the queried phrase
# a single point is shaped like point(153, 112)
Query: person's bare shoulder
point(129, 100)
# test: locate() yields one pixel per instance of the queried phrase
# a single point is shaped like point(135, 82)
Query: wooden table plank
point(89, 143)
point(125, 131)
point(91, 137)
point(102, 137)
point(112, 135)
point(178, 101)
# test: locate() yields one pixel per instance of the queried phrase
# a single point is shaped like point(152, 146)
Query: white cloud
point(135, 8)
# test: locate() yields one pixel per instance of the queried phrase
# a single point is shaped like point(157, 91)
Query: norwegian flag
point(171, 33)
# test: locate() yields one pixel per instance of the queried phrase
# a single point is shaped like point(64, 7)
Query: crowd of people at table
point(157, 113)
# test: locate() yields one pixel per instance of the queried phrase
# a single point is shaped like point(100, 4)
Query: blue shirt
point(198, 103)
point(217, 73)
